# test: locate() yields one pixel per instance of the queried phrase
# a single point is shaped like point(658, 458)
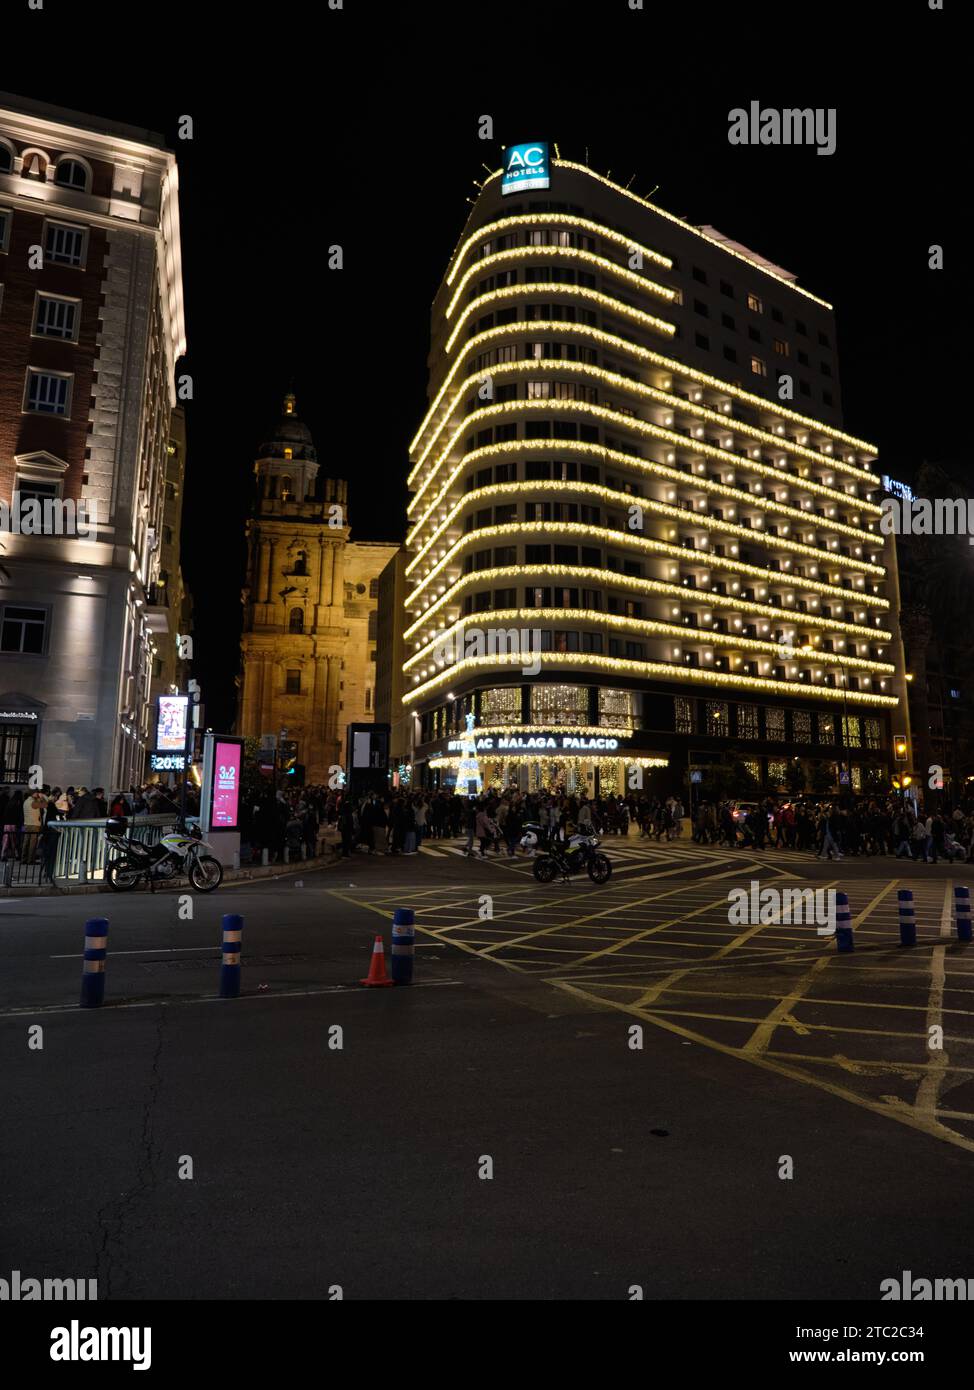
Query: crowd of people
point(834, 831)
point(305, 822)
point(397, 823)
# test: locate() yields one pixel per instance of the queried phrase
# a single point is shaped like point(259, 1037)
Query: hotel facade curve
point(639, 540)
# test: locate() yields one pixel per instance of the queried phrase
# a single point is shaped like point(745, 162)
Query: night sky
point(347, 127)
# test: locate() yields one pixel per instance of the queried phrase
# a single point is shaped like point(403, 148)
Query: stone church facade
point(310, 605)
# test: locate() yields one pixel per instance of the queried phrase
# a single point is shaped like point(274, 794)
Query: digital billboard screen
point(171, 723)
point(227, 758)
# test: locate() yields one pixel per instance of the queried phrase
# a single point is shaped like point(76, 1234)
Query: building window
point(747, 721)
point(501, 706)
point(373, 588)
point(826, 728)
point(22, 630)
point(718, 719)
point(48, 393)
point(5, 220)
point(64, 244)
point(296, 620)
point(6, 158)
point(801, 726)
point(781, 347)
point(292, 685)
point(16, 751)
point(754, 303)
point(56, 318)
point(559, 704)
point(615, 709)
point(774, 724)
point(373, 625)
point(368, 698)
point(683, 711)
point(873, 734)
point(71, 173)
point(37, 489)
point(851, 732)
point(758, 367)
point(776, 773)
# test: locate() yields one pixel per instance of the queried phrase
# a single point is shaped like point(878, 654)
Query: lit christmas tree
point(468, 773)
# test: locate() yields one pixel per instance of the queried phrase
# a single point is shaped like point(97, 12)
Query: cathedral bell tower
point(295, 631)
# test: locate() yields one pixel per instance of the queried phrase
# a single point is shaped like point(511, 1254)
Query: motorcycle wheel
point(205, 873)
point(545, 869)
point(599, 869)
point(122, 875)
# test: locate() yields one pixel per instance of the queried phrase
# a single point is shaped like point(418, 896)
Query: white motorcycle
point(180, 852)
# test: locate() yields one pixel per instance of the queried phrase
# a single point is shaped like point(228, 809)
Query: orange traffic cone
point(377, 966)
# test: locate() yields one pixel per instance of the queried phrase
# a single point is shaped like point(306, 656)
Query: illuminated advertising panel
point(227, 759)
point(525, 166)
point(171, 723)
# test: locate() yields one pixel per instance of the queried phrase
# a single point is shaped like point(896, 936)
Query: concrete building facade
point(91, 327)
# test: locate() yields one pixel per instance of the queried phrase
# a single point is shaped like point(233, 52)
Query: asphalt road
point(360, 1166)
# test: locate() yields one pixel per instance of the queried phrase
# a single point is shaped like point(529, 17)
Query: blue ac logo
point(525, 166)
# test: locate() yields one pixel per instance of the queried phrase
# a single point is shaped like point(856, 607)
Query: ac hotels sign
point(525, 166)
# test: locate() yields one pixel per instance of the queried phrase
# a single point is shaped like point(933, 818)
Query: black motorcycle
point(559, 858)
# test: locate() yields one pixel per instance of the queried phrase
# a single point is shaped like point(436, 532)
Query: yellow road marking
point(923, 1125)
point(762, 1035)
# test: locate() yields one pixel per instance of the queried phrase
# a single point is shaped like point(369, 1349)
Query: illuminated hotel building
point(606, 462)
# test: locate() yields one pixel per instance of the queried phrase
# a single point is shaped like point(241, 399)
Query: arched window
point(285, 487)
point(296, 620)
point(301, 562)
point(6, 158)
point(71, 173)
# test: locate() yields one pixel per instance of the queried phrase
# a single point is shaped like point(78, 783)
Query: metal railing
point(70, 851)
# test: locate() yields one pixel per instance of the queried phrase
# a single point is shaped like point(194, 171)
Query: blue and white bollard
point(403, 945)
point(230, 966)
point(962, 913)
point(843, 923)
point(908, 917)
point(96, 952)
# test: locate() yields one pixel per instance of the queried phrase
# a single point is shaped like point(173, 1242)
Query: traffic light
point(900, 748)
point(289, 756)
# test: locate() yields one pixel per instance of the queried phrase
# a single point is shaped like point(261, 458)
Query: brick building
point(91, 325)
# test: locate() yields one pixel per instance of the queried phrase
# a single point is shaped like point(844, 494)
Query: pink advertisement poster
point(226, 785)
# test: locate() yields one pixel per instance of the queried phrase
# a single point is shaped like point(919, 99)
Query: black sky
point(361, 127)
